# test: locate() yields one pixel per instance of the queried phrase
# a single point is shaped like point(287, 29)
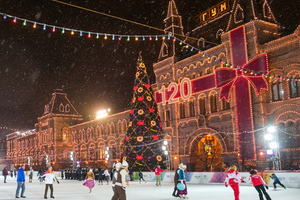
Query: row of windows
point(202, 108)
point(278, 91)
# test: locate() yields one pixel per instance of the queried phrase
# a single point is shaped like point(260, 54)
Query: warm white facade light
point(165, 142)
point(273, 145)
point(268, 136)
point(166, 152)
point(271, 129)
point(164, 148)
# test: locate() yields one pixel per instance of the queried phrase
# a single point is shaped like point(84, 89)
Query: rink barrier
point(289, 179)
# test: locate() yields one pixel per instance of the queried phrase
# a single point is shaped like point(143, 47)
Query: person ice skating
point(259, 185)
point(232, 179)
point(158, 172)
point(62, 174)
point(4, 173)
point(181, 179)
point(176, 176)
point(100, 178)
point(115, 175)
point(90, 180)
point(120, 185)
point(21, 182)
point(106, 174)
point(49, 178)
point(15, 172)
point(30, 175)
point(141, 176)
point(276, 181)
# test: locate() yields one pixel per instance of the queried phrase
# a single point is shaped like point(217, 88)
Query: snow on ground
point(74, 190)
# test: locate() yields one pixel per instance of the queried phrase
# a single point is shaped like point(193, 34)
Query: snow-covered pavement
point(74, 190)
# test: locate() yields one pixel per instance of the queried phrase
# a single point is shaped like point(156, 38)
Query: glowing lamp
point(165, 142)
point(24, 23)
point(34, 25)
point(273, 145)
point(270, 152)
point(164, 148)
point(175, 157)
point(105, 37)
point(261, 153)
point(166, 152)
point(89, 35)
point(268, 137)
point(15, 20)
point(150, 38)
point(53, 29)
point(72, 32)
point(271, 129)
point(136, 39)
point(97, 36)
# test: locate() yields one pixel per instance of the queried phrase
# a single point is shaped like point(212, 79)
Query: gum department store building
point(199, 121)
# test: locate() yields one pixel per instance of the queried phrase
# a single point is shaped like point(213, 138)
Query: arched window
point(294, 88)
point(225, 105)
point(200, 74)
point(182, 110)
point(167, 118)
point(277, 91)
point(202, 110)
point(193, 76)
point(213, 103)
point(192, 108)
point(208, 71)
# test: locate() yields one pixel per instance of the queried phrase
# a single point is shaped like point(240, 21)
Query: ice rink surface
point(74, 190)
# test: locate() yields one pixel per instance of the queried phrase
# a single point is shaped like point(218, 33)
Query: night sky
point(95, 73)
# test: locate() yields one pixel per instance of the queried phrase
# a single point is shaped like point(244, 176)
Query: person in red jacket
point(232, 178)
point(259, 185)
point(158, 172)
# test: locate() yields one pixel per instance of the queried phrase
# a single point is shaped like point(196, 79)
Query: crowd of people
point(120, 175)
point(101, 174)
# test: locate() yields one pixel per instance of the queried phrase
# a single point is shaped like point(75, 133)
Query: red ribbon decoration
point(239, 80)
point(155, 137)
point(139, 157)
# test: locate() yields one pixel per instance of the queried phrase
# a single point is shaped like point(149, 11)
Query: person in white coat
point(49, 178)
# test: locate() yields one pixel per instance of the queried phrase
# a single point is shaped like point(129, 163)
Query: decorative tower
point(173, 25)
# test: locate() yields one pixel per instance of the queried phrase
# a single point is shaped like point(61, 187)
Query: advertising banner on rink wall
point(289, 179)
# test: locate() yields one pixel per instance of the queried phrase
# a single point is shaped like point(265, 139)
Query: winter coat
point(4, 172)
point(21, 175)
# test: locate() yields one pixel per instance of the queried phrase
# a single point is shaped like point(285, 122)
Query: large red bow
point(226, 78)
point(139, 157)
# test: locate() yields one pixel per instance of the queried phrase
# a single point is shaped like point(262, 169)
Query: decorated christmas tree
point(144, 136)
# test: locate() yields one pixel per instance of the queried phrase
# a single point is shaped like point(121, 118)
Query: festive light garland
point(119, 37)
point(89, 34)
point(8, 128)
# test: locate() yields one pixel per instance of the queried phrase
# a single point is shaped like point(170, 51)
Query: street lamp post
point(166, 150)
point(72, 157)
point(272, 136)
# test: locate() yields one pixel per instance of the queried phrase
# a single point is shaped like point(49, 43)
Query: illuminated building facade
point(202, 130)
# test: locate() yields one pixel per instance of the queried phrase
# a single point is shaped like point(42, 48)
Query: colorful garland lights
point(89, 34)
point(143, 38)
